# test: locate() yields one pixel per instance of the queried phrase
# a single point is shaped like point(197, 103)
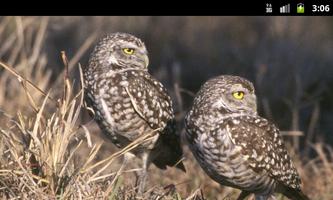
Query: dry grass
point(38, 152)
point(48, 151)
point(41, 145)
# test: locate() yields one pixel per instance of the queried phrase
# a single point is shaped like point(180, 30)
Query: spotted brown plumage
point(129, 103)
point(235, 146)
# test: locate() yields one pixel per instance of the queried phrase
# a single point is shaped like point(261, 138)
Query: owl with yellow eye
point(235, 146)
point(128, 104)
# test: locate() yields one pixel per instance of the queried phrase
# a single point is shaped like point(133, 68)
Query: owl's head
point(119, 51)
point(229, 94)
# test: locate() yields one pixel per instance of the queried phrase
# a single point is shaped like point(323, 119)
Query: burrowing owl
point(128, 102)
point(234, 145)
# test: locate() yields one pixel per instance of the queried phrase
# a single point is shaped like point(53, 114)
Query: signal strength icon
point(285, 9)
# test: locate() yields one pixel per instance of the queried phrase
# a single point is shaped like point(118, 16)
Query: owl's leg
point(243, 195)
point(127, 156)
point(144, 172)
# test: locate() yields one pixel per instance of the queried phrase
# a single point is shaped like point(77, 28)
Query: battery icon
point(300, 8)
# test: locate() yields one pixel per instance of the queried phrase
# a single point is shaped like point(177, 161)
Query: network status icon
point(269, 8)
point(285, 9)
point(300, 8)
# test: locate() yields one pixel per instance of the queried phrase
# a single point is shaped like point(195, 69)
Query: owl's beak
point(146, 60)
point(253, 104)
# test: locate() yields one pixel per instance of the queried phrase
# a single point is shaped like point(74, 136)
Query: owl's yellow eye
point(128, 51)
point(239, 95)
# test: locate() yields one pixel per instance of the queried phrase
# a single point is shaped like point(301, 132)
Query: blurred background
point(289, 59)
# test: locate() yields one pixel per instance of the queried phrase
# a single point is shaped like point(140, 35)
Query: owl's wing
point(263, 147)
point(150, 100)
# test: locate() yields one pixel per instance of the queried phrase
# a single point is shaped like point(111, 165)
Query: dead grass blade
point(21, 78)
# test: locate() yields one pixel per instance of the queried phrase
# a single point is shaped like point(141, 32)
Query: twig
point(128, 148)
point(84, 47)
point(312, 125)
point(21, 78)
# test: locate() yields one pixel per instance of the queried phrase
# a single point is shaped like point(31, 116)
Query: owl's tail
point(168, 155)
point(162, 165)
point(168, 151)
point(294, 194)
